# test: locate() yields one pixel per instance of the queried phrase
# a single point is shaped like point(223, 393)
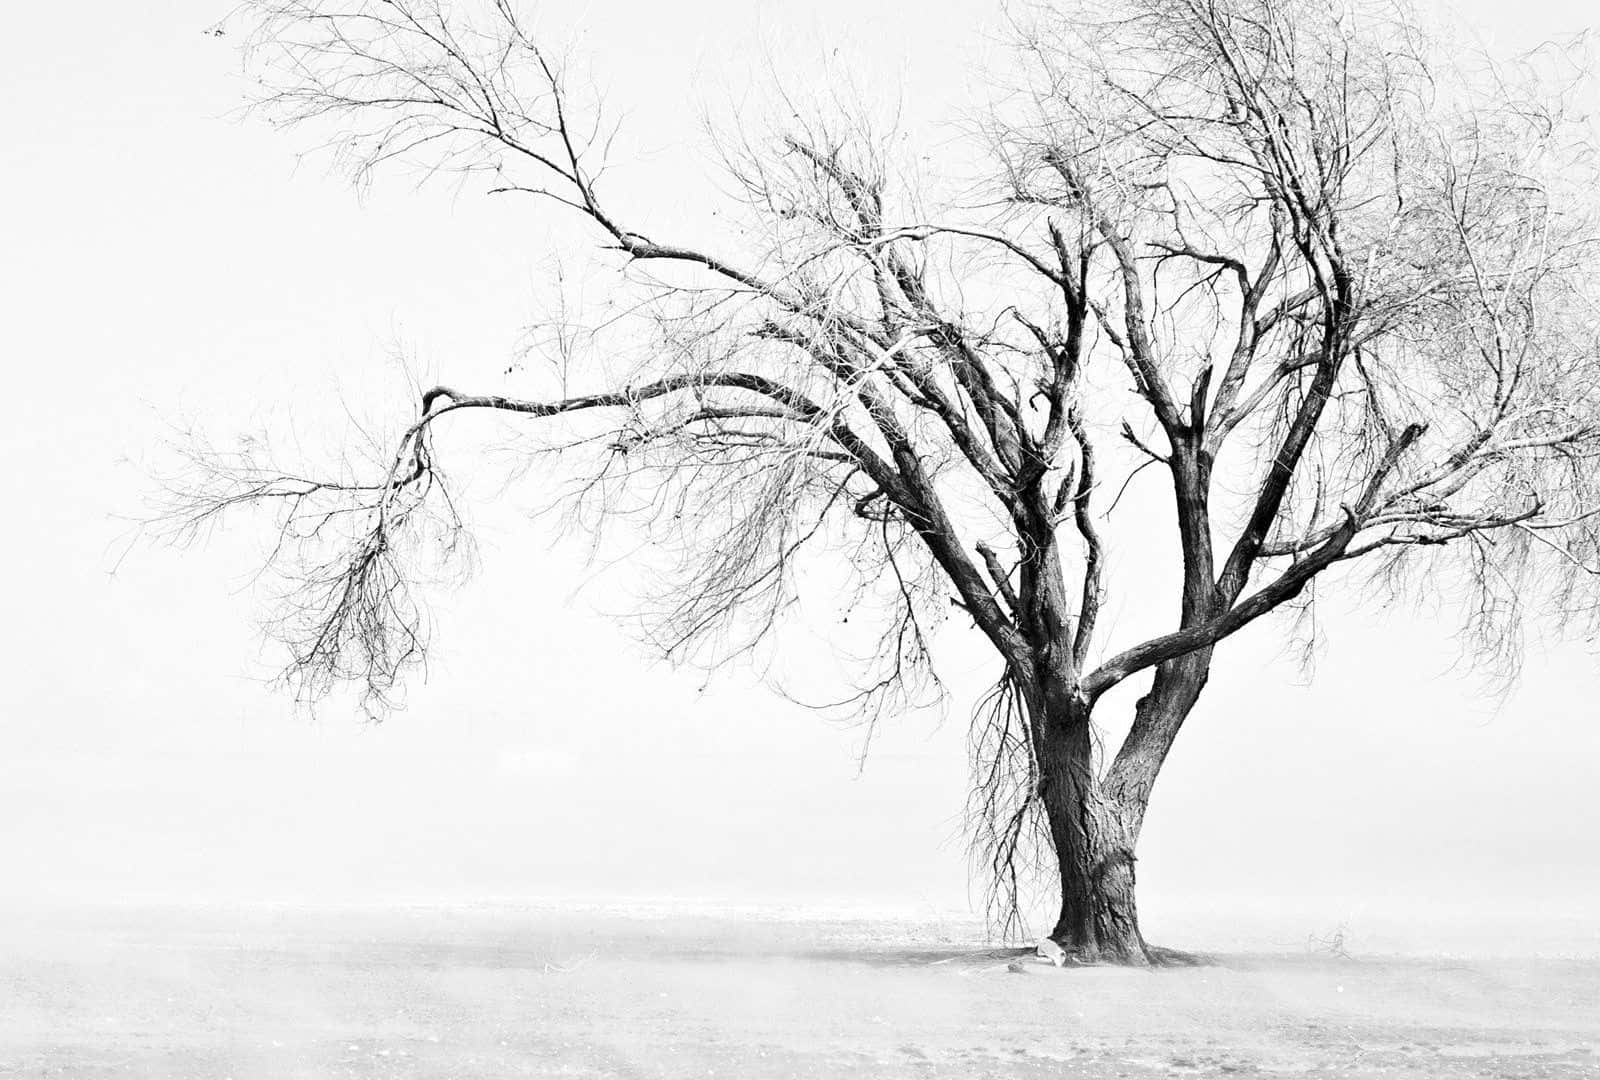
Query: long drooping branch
point(400, 73)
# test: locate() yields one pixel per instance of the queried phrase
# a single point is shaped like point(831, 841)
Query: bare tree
point(1332, 283)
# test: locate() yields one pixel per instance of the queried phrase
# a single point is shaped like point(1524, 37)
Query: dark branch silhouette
point(1332, 284)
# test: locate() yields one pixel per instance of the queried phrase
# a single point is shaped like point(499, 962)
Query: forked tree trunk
point(1095, 822)
point(1099, 919)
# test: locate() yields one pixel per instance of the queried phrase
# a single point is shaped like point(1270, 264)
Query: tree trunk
point(1099, 920)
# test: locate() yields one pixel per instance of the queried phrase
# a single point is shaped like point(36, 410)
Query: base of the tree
point(1152, 956)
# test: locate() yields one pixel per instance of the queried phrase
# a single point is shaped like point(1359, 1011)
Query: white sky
point(162, 261)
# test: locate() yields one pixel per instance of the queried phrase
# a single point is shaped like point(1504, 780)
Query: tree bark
point(1099, 918)
point(1095, 822)
point(1157, 719)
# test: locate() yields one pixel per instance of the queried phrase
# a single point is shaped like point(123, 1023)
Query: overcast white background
point(161, 260)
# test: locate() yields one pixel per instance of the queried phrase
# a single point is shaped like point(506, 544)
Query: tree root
point(1161, 956)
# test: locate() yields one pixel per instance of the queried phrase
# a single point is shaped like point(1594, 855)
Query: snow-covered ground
point(672, 988)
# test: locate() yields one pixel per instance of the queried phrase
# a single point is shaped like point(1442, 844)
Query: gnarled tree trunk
point(1095, 822)
point(1099, 918)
